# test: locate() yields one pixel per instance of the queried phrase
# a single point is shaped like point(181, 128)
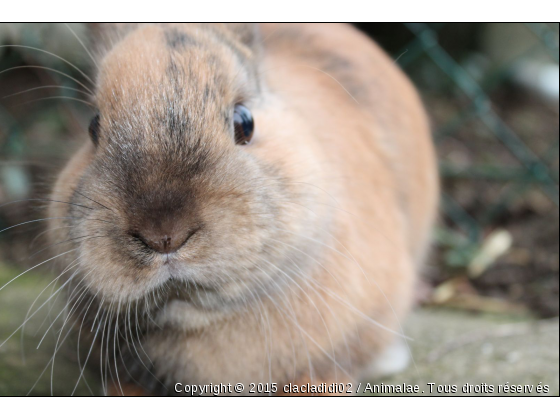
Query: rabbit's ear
point(104, 36)
point(100, 30)
point(246, 33)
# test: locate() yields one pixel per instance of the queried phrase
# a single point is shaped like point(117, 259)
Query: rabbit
point(253, 206)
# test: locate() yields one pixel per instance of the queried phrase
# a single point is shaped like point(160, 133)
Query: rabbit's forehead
point(144, 67)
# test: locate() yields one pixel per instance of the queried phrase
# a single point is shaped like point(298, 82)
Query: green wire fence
point(535, 170)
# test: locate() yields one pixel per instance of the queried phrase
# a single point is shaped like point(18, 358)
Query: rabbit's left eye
point(94, 130)
point(243, 124)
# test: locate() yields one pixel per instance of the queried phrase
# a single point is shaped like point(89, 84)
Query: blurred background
point(491, 91)
point(492, 94)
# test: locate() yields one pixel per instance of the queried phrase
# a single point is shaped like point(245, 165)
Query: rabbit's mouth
point(201, 295)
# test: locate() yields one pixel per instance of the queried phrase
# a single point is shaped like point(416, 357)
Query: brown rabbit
point(253, 207)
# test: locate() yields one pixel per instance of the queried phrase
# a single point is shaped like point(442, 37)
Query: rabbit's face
point(190, 186)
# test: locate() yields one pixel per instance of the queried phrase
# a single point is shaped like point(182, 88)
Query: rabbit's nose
point(164, 241)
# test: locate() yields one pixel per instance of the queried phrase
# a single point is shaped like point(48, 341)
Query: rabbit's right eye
point(94, 130)
point(243, 124)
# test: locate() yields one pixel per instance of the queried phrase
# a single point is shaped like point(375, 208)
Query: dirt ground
point(528, 273)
